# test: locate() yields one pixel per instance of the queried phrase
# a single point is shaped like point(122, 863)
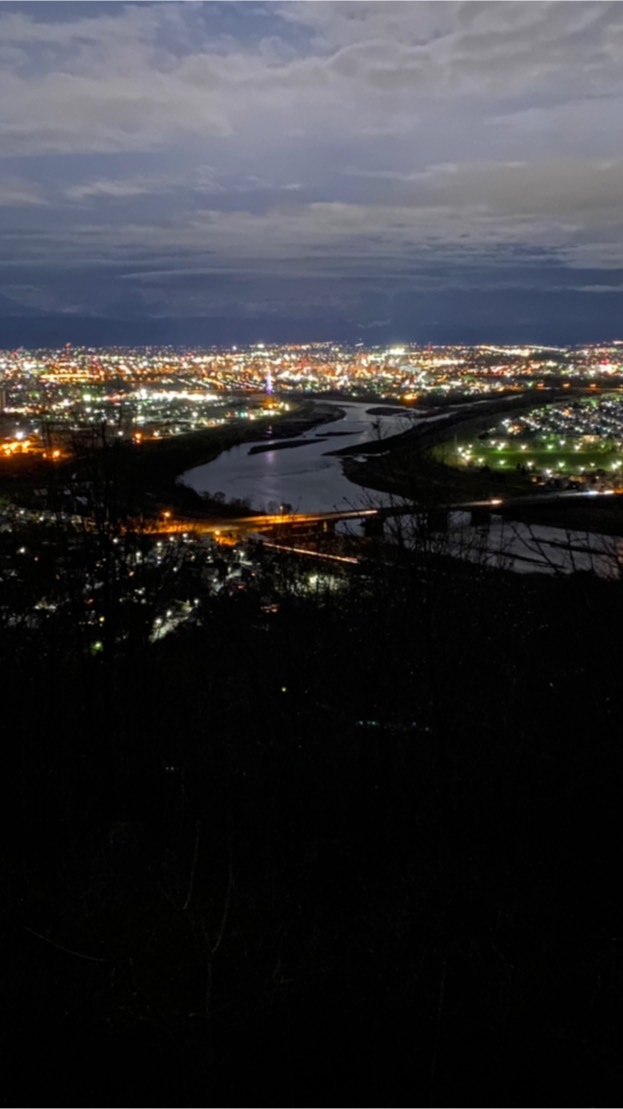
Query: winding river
point(305, 476)
point(308, 478)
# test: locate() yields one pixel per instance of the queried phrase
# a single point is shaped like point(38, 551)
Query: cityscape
point(60, 407)
point(311, 552)
point(152, 393)
point(271, 505)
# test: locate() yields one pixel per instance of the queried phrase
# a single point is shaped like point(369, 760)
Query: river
point(306, 476)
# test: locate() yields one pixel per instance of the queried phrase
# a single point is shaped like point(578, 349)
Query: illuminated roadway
point(299, 519)
point(258, 523)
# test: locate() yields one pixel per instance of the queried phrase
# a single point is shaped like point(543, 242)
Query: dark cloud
point(311, 160)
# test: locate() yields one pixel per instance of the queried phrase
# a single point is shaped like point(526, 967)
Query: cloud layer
point(304, 159)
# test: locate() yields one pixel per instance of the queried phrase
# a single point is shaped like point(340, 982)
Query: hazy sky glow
point(411, 168)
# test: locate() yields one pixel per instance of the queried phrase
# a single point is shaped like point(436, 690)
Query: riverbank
point(407, 466)
point(148, 474)
point(310, 477)
point(404, 465)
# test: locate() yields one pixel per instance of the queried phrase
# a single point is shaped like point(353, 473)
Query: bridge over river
point(480, 512)
point(472, 530)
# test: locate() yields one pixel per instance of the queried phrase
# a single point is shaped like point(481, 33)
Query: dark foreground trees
point(362, 849)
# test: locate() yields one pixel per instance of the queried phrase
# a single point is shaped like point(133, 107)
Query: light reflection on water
point(304, 477)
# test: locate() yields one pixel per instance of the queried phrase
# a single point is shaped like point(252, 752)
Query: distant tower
point(269, 384)
point(3, 396)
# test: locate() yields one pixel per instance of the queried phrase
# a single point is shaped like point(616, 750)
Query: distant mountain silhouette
point(130, 305)
point(56, 330)
point(12, 308)
point(519, 320)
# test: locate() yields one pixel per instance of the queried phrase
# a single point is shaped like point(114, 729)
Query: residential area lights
point(571, 443)
point(140, 394)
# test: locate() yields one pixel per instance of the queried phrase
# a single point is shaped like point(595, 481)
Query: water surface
point(308, 478)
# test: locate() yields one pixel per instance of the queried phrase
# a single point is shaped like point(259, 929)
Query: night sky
point(376, 171)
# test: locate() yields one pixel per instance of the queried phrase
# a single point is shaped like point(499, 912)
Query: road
point(264, 522)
